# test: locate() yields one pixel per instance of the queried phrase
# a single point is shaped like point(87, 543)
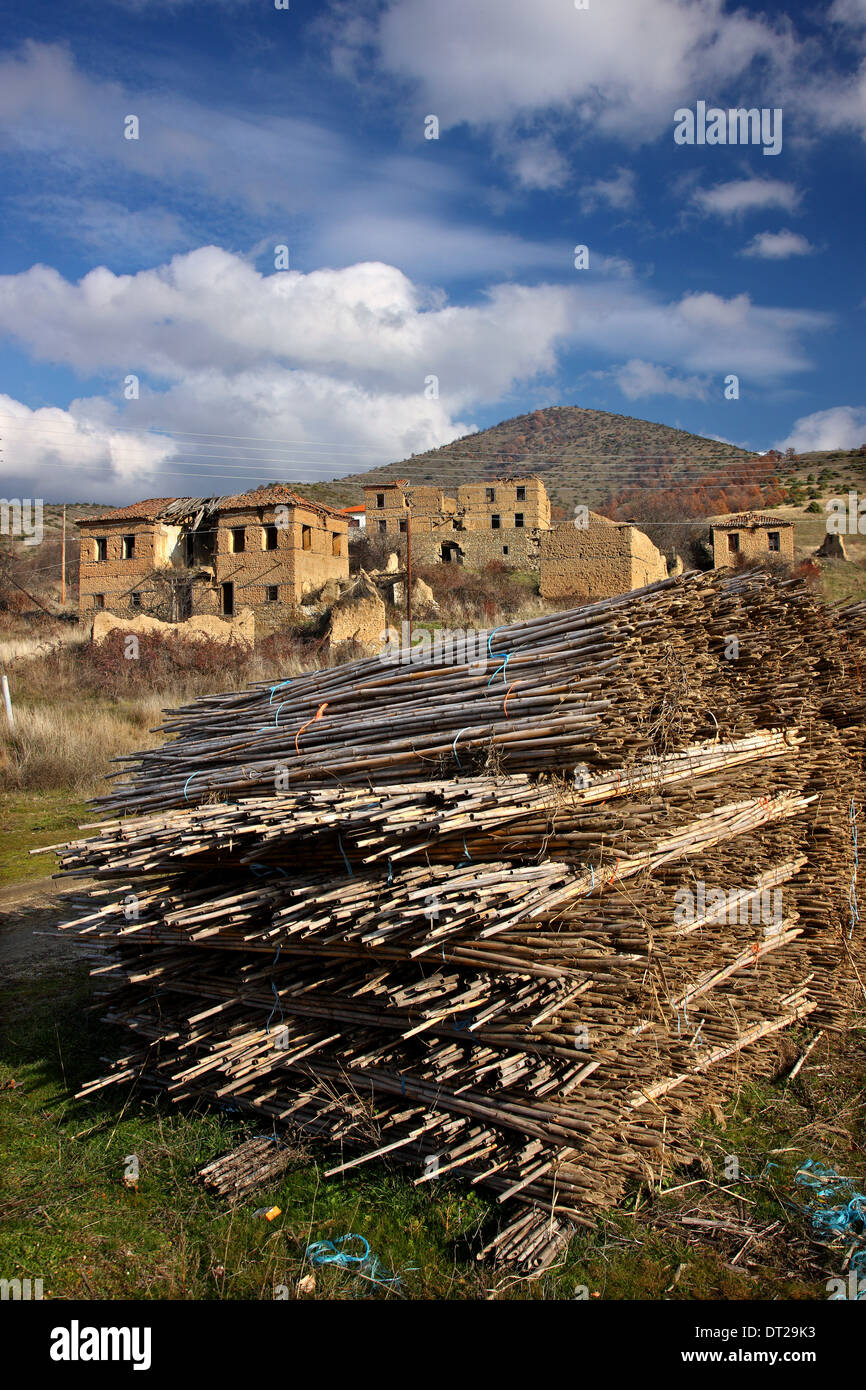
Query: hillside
point(582, 456)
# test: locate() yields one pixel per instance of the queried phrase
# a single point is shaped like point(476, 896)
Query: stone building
point(752, 535)
point(176, 558)
point(599, 560)
point(501, 520)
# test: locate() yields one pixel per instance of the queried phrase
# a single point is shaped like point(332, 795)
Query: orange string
point(319, 712)
point(507, 693)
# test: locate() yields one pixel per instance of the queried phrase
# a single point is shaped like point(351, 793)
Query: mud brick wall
point(385, 520)
point(477, 508)
point(754, 543)
point(597, 562)
point(155, 546)
point(429, 503)
point(295, 569)
point(648, 564)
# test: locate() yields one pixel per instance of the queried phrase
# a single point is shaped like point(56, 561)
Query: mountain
point(582, 456)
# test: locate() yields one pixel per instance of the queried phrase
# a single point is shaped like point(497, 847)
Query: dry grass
point(71, 746)
point(77, 706)
point(25, 648)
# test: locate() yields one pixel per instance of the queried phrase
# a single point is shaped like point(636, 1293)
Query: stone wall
point(115, 579)
point(463, 530)
point(505, 498)
point(602, 560)
point(752, 542)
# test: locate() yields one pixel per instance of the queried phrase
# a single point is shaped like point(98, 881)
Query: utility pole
point(63, 562)
point(409, 574)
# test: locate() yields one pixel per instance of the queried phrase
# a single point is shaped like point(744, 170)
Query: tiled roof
point(277, 494)
point(155, 508)
point(149, 510)
point(744, 520)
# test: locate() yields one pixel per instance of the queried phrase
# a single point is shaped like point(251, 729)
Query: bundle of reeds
point(512, 921)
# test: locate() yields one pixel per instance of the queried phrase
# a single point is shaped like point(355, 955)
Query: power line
point(213, 463)
point(343, 447)
point(289, 443)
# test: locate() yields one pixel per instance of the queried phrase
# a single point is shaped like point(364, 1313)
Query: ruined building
point(598, 560)
point(752, 535)
point(175, 558)
point(501, 520)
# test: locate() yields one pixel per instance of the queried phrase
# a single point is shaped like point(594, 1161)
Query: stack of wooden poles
point(517, 917)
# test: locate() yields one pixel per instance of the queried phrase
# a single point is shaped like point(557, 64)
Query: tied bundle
point(518, 922)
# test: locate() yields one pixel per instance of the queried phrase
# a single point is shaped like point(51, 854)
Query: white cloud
point(107, 227)
point(617, 192)
point(536, 163)
point(432, 246)
point(778, 246)
point(637, 379)
point(618, 69)
point(209, 309)
point(336, 361)
point(746, 195)
point(841, 427)
point(622, 66)
point(849, 13)
point(62, 453)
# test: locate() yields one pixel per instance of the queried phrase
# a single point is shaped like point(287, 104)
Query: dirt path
point(30, 913)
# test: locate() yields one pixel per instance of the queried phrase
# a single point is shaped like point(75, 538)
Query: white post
point(7, 700)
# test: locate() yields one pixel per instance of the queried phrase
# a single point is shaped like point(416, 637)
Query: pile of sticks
point(515, 919)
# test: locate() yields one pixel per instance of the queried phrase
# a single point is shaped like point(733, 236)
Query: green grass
point(69, 1218)
point(842, 581)
point(29, 820)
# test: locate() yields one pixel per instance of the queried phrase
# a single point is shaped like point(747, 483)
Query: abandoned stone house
point(502, 520)
point(752, 535)
point(175, 558)
point(598, 560)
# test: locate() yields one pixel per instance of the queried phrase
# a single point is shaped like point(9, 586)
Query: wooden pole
point(7, 700)
point(409, 573)
point(63, 561)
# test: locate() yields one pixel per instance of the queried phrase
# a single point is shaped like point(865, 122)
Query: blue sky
point(431, 286)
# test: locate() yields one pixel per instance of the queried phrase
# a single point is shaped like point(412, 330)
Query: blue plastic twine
point(277, 1004)
point(330, 1252)
point(187, 782)
point(490, 654)
point(454, 745)
point(345, 856)
point(325, 1252)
